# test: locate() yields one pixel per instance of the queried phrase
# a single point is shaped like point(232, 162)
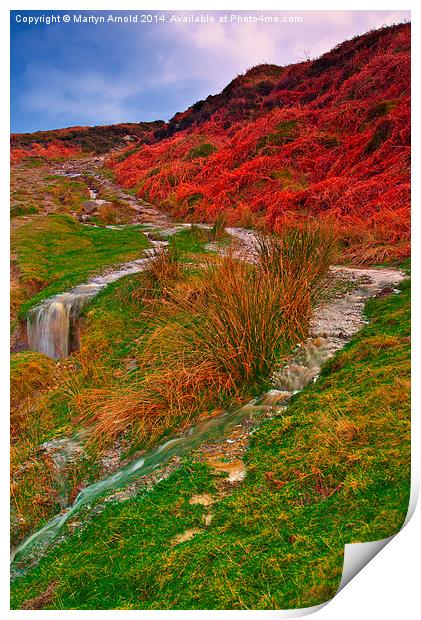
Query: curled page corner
point(291, 613)
point(358, 555)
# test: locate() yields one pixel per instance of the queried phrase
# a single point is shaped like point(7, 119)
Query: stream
point(333, 325)
point(53, 325)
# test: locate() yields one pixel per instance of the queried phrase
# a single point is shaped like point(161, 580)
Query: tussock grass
point(306, 250)
point(299, 259)
point(166, 268)
point(219, 335)
point(30, 372)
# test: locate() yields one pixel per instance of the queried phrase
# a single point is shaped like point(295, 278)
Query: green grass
point(113, 320)
point(202, 150)
point(55, 253)
point(18, 210)
point(67, 193)
point(189, 241)
point(333, 468)
point(194, 240)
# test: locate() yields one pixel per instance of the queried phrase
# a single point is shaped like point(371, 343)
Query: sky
point(74, 73)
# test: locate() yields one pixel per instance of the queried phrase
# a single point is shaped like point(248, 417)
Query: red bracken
point(323, 138)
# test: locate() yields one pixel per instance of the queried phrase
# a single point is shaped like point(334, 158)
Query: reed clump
point(162, 276)
point(220, 333)
point(166, 267)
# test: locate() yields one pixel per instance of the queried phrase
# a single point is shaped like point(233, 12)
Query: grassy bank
point(54, 253)
point(53, 400)
point(333, 468)
point(47, 396)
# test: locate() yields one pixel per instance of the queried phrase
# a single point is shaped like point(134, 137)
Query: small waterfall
point(48, 330)
point(53, 326)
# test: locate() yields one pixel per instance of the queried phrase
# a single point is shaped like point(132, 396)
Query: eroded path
point(142, 211)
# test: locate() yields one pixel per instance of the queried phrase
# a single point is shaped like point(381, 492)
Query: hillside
point(323, 138)
point(73, 141)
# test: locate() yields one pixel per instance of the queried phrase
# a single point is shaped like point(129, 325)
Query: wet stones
point(91, 206)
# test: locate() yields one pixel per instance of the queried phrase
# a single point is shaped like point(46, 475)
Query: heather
point(326, 138)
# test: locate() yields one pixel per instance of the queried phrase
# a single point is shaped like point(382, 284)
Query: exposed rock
point(90, 206)
point(186, 535)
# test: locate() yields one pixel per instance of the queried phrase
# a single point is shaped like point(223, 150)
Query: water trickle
point(177, 446)
point(53, 326)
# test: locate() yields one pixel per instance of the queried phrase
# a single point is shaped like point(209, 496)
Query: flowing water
point(176, 446)
point(53, 325)
point(332, 327)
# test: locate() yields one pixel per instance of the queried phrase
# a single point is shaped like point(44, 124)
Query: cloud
point(88, 95)
point(218, 52)
point(115, 74)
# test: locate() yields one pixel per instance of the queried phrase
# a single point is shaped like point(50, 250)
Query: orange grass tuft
point(219, 335)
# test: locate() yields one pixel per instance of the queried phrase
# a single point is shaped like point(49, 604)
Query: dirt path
point(143, 212)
